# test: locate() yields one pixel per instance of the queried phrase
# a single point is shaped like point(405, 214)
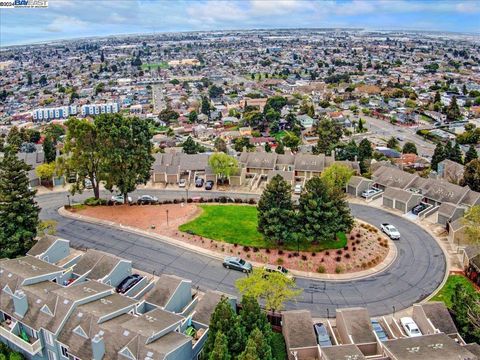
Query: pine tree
point(280, 149)
point(471, 176)
point(262, 345)
point(438, 156)
point(252, 316)
point(453, 111)
point(14, 139)
point(409, 148)
point(323, 212)
point(18, 209)
point(456, 154)
point(220, 348)
point(226, 321)
point(276, 217)
point(365, 150)
point(471, 154)
point(250, 352)
point(49, 150)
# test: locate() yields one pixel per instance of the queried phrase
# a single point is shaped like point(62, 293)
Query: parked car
point(199, 182)
point(298, 189)
point(391, 231)
point(182, 183)
point(119, 199)
point(379, 330)
point(235, 263)
point(323, 339)
point(209, 185)
point(410, 327)
point(128, 283)
point(147, 200)
point(88, 184)
point(279, 269)
point(367, 193)
point(418, 209)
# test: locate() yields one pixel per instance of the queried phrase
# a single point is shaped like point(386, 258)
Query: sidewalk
point(389, 259)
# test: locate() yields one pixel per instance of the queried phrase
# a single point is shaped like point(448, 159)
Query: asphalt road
point(416, 272)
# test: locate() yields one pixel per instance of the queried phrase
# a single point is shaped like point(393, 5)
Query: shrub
point(280, 252)
point(295, 254)
point(280, 261)
point(91, 201)
point(338, 259)
point(339, 252)
point(347, 256)
point(357, 242)
point(322, 260)
point(358, 235)
point(246, 248)
point(304, 257)
point(255, 249)
point(314, 254)
point(235, 245)
point(321, 269)
point(252, 201)
point(354, 248)
point(327, 253)
point(175, 201)
point(338, 269)
point(289, 256)
point(189, 200)
point(248, 256)
point(267, 251)
point(345, 247)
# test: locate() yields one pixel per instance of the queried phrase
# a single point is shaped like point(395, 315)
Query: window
point(49, 338)
point(64, 351)
point(51, 355)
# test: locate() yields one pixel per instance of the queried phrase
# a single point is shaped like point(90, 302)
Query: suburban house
point(300, 339)
point(450, 170)
point(471, 263)
point(67, 308)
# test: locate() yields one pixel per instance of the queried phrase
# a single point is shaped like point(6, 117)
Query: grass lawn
point(446, 292)
point(279, 351)
point(237, 224)
point(154, 66)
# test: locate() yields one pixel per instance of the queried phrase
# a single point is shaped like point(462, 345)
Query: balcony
point(11, 332)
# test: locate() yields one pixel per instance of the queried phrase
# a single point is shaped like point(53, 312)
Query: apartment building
point(97, 109)
point(52, 113)
point(59, 304)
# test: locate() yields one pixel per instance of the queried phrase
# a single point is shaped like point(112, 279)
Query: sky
point(64, 19)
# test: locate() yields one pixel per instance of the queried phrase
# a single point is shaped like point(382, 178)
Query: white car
point(182, 183)
point(367, 193)
point(298, 189)
point(119, 199)
point(391, 231)
point(410, 327)
point(279, 269)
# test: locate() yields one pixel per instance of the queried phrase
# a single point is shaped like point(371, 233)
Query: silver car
point(235, 263)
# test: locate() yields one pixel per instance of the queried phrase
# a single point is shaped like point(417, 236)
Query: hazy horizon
point(70, 19)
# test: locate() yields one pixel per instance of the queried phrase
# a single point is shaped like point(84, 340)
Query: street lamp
point(167, 217)
point(68, 197)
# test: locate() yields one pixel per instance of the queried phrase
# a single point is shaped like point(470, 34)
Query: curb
point(389, 259)
point(445, 253)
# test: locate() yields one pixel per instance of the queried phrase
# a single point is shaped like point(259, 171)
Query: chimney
point(98, 347)
point(20, 303)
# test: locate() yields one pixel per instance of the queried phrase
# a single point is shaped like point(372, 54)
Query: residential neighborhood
point(239, 180)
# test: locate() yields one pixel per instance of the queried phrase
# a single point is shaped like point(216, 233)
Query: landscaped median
point(226, 230)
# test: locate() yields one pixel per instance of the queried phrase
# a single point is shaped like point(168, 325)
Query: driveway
point(417, 271)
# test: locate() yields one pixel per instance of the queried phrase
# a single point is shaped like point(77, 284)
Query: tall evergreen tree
point(220, 348)
point(250, 352)
point(14, 139)
point(262, 344)
point(18, 209)
point(453, 111)
point(471, 176)
point(276, 217)
point(280, 149)
point(365, 150)
point(456, 154)
point(252, 316)
point(323, 212)
point(226, 321)
point(438, 156)
point(49, 150)
point(329, 134)
point(471, 154)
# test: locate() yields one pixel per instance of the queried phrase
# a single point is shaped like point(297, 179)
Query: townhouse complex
point(57, 303)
